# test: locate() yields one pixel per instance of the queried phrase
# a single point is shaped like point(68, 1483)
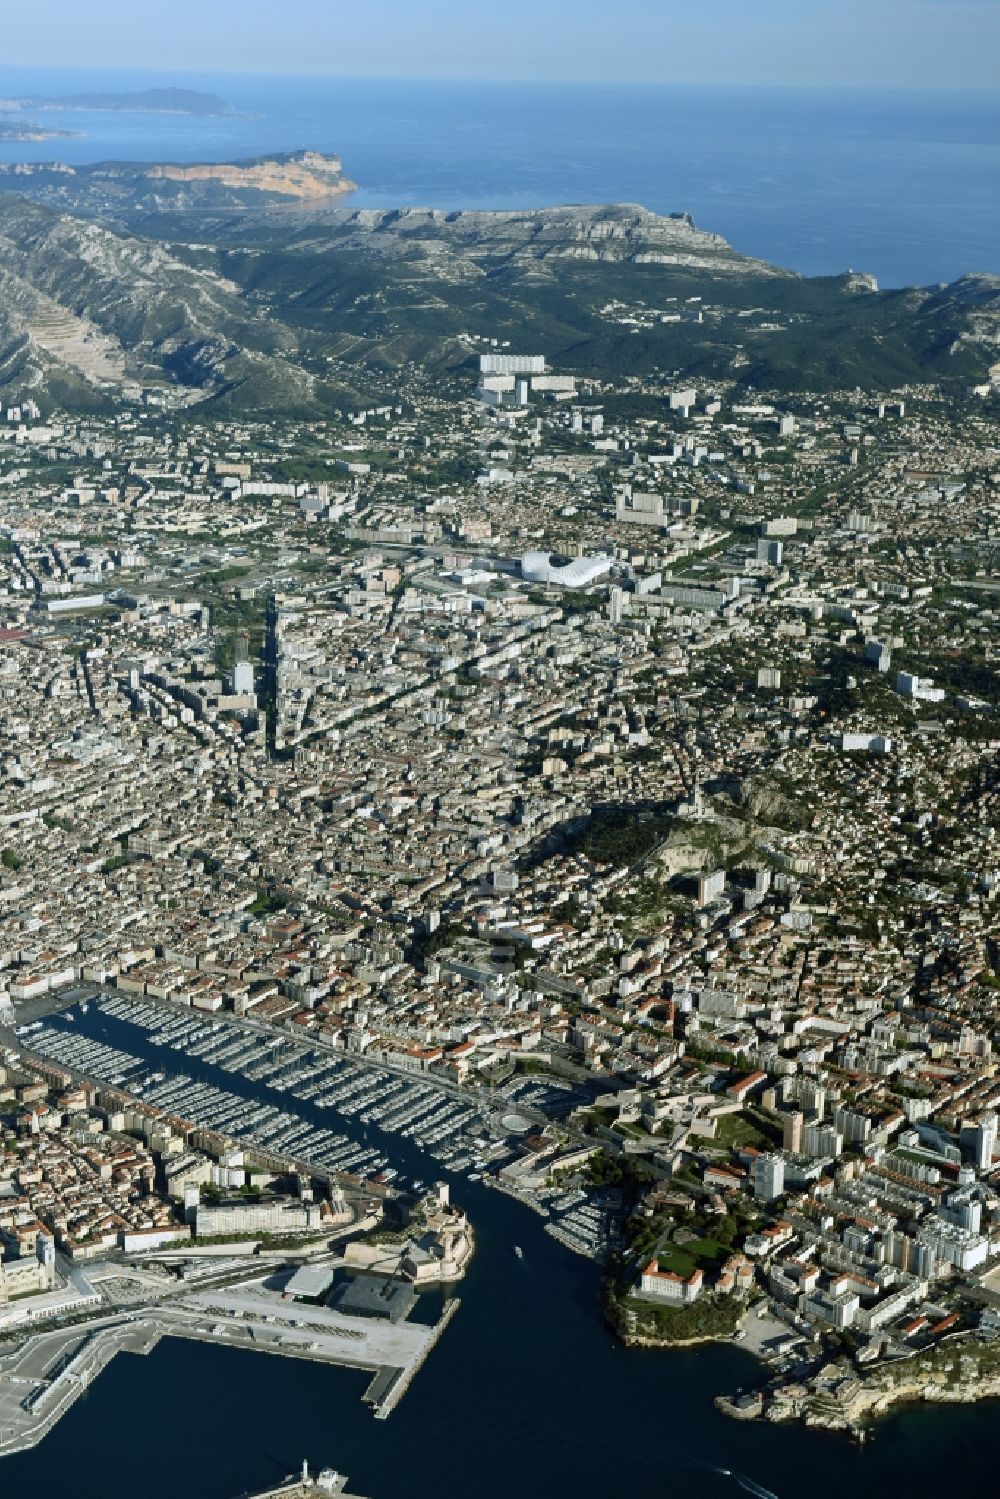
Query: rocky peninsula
point(304, 175)
point(126, 191)
point(840, 1396)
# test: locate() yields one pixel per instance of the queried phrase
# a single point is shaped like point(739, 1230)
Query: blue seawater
point(897, 183)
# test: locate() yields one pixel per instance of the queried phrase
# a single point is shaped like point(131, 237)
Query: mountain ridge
point(250, 307)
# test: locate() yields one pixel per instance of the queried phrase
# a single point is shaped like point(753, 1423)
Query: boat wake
point(754, 1488)
point(745, 1483)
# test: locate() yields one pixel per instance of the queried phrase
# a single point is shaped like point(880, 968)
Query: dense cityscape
point(499, 750)
point(595, 781)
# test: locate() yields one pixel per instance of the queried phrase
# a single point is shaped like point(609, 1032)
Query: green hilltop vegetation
point(251, 309)
point(835, 338)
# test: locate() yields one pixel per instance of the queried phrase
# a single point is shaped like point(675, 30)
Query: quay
point(43, 1375)
point(394, 1390)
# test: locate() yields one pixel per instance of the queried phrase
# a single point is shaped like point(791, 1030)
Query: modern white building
point(953, 1245)
point(568, 572)
point(823, 1140)
point(985, 1141)
point(682, 400)
point(874, 744)
point(918, 689)
point(710, 885)
point(278, 1216)
point(512, 364)
point(878, 654)
point(838, 1311)
point(768, 1177)
point(243, 685)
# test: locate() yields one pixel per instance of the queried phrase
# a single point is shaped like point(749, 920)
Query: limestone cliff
point(544, 239)
point(125, 192)
point(307, 175)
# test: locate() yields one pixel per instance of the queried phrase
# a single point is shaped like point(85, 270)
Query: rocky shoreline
point(682, 1328)
point(840, 1398)
point(636, 1340)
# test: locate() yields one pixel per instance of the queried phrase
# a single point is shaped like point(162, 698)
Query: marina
point(297, 1074)
point(334, 1115)
point(539, 1324)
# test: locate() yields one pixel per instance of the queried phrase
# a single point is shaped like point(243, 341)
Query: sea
point(902, 185)
point(526, 1396)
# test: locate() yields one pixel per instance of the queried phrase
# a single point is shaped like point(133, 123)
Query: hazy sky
point(898, 43)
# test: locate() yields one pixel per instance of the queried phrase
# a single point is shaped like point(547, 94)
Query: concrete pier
point(42, 1377)
point(399, 1387)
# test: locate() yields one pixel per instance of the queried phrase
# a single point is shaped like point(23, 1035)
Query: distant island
point(28, 130)
point(148, 101)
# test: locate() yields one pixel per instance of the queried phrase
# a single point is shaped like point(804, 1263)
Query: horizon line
point(143, 70)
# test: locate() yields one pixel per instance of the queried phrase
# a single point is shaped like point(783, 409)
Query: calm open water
point(904, 185)
point(527, 1396)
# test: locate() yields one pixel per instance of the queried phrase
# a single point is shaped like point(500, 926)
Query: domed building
point(568, 572)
